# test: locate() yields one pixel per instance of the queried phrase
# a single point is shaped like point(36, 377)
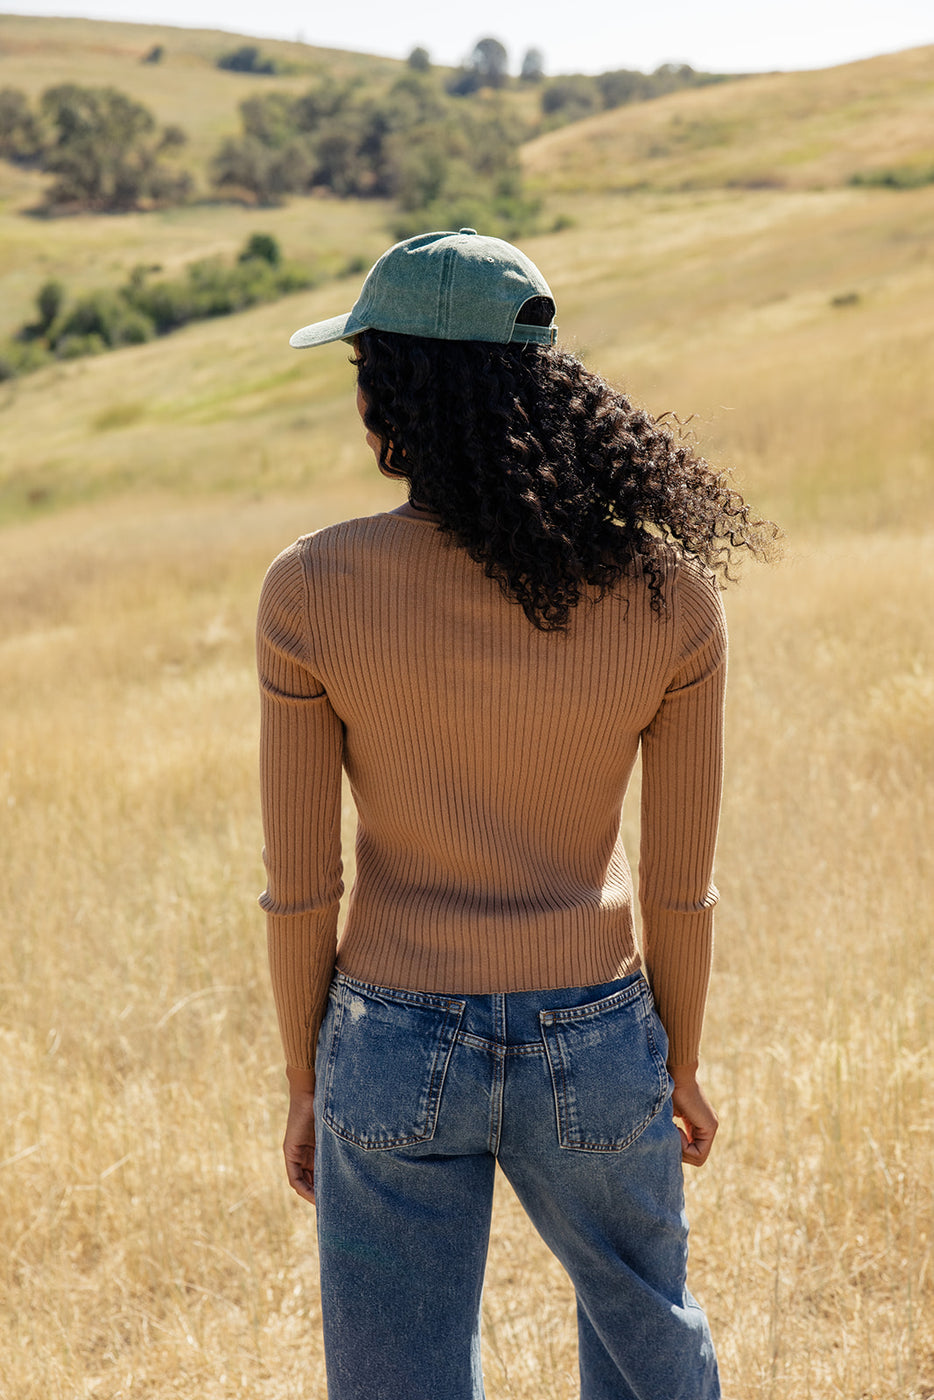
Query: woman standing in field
point(486, 662)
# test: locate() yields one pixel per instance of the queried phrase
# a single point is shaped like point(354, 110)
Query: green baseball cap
point(446, 286)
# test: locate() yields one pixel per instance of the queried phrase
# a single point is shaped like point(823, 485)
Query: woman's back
point(489, 760)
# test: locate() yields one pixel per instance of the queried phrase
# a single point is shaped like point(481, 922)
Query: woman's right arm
point(681, 781)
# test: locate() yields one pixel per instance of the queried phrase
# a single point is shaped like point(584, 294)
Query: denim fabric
point(419, 1095)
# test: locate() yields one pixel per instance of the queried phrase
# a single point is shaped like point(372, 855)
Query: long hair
point(547, 476)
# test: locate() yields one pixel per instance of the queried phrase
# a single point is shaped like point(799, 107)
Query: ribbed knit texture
point(488, 763)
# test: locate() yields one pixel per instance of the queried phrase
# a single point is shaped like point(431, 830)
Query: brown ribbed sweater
point(488, 763)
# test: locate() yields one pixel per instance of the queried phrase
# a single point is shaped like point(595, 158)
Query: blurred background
point(749, 250)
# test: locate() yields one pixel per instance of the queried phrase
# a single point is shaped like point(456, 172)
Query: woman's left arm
point(301, 749)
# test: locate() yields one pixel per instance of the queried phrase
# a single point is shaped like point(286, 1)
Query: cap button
point(467, 230)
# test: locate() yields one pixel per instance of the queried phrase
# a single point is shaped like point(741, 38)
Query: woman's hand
point(694, 1117)
point(298, 1146)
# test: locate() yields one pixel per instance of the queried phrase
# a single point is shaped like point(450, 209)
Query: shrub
point(247, 59)
point(505, 213)
point(49, 300)
point(896, 177)
point(22, 357)
point(263, 246)
point(624, 85)
point(141, 309)
point(73, 347)
point(168, 305)
point(210, 288)
point(108, 316)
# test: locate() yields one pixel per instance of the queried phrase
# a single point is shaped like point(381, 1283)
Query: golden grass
point(780, 130)
point(149, 1245)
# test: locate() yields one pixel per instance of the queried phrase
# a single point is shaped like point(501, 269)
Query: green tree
point(419, 60)
point(533, 66)
point(106, 151)
point(624, 85)
point(491, 62)
point(408, 142)
point(267, 173)
point(327, 98)
point(341, 161)
point(20, 138)
point(417, 167)
point(487, 67)
point(569, 99)
point(271, 118)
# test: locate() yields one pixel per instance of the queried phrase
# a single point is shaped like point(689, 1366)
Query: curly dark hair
point(545, 474)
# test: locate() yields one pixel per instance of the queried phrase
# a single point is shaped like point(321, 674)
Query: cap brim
point(321, 332)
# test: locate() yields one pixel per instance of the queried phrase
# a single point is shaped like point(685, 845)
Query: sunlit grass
point(149, 1245)
point(805, 130)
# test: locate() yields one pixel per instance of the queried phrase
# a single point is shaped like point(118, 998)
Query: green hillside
point(185, 87)
point(795, 322)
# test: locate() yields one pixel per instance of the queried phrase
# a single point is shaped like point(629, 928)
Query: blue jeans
point(419, 1095)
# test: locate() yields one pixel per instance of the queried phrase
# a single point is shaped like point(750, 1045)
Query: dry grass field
point(149, 1247)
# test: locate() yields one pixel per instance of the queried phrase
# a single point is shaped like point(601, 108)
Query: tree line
point(443, 146)
point(103, 148)
point(436, 157)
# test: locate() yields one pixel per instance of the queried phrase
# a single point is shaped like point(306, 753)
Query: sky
point(587, 36)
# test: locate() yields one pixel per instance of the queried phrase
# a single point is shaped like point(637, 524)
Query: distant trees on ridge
point(443, 145)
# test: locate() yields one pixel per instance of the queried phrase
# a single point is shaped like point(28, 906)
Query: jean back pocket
point(387, 1056)
point(607, 1062)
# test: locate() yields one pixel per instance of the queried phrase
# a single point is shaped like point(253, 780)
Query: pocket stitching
point(639, 991)
point(636, 992)
point(453, 1011)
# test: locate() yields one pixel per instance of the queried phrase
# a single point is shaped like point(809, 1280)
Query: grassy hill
point(148, 1245)
point(778, 131)
point(767, 312)
point(797, 328)
point(186, 87)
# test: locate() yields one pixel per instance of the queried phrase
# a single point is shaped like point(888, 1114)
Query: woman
point(486, 662)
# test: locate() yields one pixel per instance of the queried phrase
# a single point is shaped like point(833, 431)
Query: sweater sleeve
point(301, 748)
point(682, 766)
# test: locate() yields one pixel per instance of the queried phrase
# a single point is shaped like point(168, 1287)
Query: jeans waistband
point(506, 1018)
